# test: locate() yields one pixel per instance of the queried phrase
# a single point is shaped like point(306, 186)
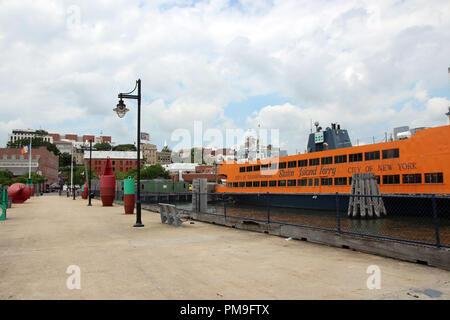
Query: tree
point(35, 143)
point(64, 159)
point(125, 147)
point(6, 177)
point(102, 146)
point(166, 149)
point(148, 173)
point(153, 172)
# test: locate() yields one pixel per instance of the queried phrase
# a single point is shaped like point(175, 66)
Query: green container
point(128, 186)
point(4, 202)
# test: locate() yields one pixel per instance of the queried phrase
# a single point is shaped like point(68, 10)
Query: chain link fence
point(423, 219)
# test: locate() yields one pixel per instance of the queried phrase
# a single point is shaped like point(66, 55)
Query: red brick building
point(201, 172)
point(88, 138)
point(121, 161)
point(43, 162)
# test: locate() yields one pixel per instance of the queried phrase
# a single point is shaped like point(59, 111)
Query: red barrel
point(16, 193)
point(107, 185)
point(85, 192)
point(128, 203)
point(27, 191)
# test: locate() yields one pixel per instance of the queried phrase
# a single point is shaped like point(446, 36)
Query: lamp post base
point(138, 225)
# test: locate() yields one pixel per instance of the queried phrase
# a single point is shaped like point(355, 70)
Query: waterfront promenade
point(44, 236)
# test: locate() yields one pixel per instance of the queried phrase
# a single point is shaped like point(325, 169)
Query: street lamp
point(90, 172)
point(121, 110)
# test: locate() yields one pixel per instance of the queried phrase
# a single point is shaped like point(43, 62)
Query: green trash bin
point(4, 202)
point(128, 195)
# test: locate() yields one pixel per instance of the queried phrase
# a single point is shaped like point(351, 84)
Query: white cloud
point(357, 63)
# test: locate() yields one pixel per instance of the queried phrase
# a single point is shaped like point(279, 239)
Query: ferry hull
point(395, 205)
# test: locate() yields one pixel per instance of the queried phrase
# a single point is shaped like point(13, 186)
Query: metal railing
point(420, 219)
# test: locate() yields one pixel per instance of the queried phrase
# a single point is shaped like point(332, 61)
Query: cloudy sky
point(368, 65)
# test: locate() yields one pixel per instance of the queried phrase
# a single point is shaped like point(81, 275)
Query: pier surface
point(44, 236)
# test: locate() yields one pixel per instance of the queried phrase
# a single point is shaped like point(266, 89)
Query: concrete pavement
point(44, 236)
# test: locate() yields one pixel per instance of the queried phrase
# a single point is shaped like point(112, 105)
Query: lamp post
point(90, 172)
point(121, 110)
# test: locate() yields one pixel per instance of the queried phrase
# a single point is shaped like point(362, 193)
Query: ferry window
point(437, 177)
point(273, 166)
point(326, 160)
point(241, 184)
point(391, 179)
point(242, 169)
point(256, 168)
point(327, 181)
point(310, 182)
point(340, 181)
point(263, 183)
point(292, 183)
point(316, 181)
point(303, 163)
point(282, 183)
point(235, 184)
point(256, 183)
point(340, 159)
point(302, 182)
point(355, 157)
point(264, 167)
point(248, 169)
point(282, 165)
point(314, 162)
point(391, 153)
point(412, 178)
point(292, 164)
point(378, 179)
point(272, 183)
point(248, 184)
point(350, 181)
point(373, 155)
point(230, 185)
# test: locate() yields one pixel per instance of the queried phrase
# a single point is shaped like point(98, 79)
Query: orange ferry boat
point(416, 165)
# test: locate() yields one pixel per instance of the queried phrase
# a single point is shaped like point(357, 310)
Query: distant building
point(163, 157)
point(149, 151)
point(20, 134)
point(76, 138)
point(43, 162)
point(121, 161)
point(190, 171)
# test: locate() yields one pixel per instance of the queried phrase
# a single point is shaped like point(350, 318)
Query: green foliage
point(148, 173)
point(35, 143)
point(64, 159)
point(166, 149)
point(102, 146)
point(121, 175)
point(79, 175)
point(6, 177)
point(125, 147)
point(153, 172)
point(41, 132)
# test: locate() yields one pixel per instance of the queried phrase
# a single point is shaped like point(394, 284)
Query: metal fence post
point(338, 213)
point(268, 211)
point(224, 206)
point(436, 222)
